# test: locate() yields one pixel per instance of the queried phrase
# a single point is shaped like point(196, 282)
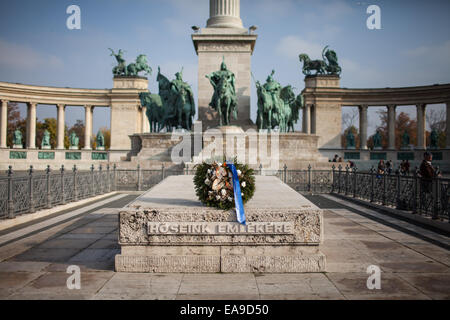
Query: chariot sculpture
point(329, 64)
point(133, 69)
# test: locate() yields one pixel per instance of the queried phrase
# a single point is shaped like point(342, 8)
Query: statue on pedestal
point(224, 99)
point(329, 64)
point(73, 140)
point(100, 139)
point(434, 137)
point(46, 140)
point(17, 139)
point(405, 140)
point(277, 105)
point(133, 69)
point(377, 140)
point(174, 106)
point(350, 139)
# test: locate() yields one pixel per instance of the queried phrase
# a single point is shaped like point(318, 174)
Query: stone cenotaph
point(167, 229)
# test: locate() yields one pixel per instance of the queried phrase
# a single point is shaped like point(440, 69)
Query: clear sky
point(412, 48)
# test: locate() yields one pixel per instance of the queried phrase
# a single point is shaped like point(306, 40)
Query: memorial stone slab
point(167, 229)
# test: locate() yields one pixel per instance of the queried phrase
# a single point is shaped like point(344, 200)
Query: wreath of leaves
point(202, 189)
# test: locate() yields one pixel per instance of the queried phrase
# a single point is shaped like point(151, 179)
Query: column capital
point(4, 101)
point(61, 105)
point(389, 106)
point(32, 103)
point(363, 106)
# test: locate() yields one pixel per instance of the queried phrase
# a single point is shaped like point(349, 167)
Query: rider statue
point(273, 88)
point(215, 79)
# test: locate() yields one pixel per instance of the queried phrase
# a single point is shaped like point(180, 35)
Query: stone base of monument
point(296, 150)
point(46, 147)
point(17, 146)
point(168, 230)
point(73, 148)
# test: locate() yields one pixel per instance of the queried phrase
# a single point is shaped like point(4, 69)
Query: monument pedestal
point(168, 230)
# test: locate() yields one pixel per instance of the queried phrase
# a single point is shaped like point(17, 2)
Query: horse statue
point(226, 102)
point(155, 111)
point(333, 65)
point(173, 107)
point(224, 99)
point(141, 64)
point(309, 65)
point(291, 108)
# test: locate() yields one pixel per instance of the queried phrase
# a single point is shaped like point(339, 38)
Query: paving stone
point(141, 286)
point(23, 266)
point(354, 286)
point(54, 284)
point(435, 285)
point(66, 244)
point(297, 286)
point(16, 280)
point(46, 255)
point(223, 285)
point(89, 255)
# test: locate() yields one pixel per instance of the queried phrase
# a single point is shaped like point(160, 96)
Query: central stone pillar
point(421, 140)
point(224, 14)
point(224, 37)
point(88, 127)
point(363, 127)
point(4, 123)
point(31, 126)
point(391, 126)
point(61, 125)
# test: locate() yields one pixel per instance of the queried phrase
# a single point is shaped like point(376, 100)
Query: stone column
point(3, 123)
point(391, 126)
point(363, 127)
point(224, 14)
point(421, 138)
point(60, 126)
point(307, 119)
point(31, 126)
point(447, 121)
point(145, 124)
point(87, 127)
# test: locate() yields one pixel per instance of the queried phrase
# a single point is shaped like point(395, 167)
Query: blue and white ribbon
point(240, 213)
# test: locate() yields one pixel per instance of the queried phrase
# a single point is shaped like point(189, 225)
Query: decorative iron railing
point(427, 197)
point(27, 193)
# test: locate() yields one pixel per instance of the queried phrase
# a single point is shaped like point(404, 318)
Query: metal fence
point(21, 194)
point(428, 197)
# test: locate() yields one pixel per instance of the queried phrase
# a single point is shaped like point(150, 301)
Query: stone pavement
point(33, 264)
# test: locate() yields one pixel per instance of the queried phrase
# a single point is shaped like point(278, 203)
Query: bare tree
point(349, 118)
point(436, 119)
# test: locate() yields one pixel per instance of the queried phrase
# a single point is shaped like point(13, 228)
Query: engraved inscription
point(219, 228)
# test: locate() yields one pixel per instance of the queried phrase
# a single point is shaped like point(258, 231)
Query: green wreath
point(214, 186)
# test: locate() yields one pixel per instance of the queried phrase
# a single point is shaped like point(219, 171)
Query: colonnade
point(308, 125)
point(31, 125)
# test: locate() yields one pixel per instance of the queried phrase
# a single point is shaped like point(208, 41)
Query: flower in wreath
point(214, 183)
